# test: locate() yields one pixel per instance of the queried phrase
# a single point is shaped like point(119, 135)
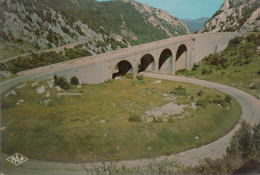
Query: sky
point(186, 9)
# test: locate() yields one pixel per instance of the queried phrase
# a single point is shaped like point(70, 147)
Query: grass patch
point(238, 65)
point(95, 126)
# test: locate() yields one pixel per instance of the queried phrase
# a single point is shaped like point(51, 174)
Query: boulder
point(19, 102)
point(35, 84)
point(50, 83)
point(40, 90)
point(157, 82)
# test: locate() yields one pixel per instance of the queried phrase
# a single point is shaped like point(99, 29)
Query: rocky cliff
point(51, 23)
point(235, 15)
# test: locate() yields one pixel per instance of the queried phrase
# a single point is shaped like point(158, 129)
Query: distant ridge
point(195, 24)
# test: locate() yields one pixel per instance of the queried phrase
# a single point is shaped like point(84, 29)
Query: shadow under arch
point(122, 68)
point(166, 61)
point(147, 63)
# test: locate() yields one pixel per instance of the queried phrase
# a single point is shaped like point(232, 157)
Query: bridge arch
point(122, 68)
point(166, 61)
point(147, 63)
point(181, 57)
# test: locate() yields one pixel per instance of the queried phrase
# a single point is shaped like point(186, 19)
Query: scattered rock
point(45, 102)
point(117, 78)
point(102, 121)
point(40, 90)
point(164, 112)
point(197, 138)
point(48, 94)
point(165, 95)
point(79, 86)
point(58, 88)
point(105, 135)
point(172, 109)
point(157, 82)
point(13, 92)
point(50, 83)
point(251, 85)
point(35, 84)
point(3, 128)
point(117, 148)
point(193, 106)
point(20, 101)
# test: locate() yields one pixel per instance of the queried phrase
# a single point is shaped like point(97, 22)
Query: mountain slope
point(195, 24)
point(235, 15)
point(51, 23)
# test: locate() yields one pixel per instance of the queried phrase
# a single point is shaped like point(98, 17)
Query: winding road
point(250, 111)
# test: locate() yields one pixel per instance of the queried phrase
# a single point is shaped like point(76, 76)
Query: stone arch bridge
point(164, 56)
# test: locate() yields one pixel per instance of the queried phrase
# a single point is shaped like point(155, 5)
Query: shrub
point(6, 104)
point(235, 41)
point(258, 72)
point(171, 119)
point(74, 80)
point(134, 118)
point(204, 71)
point(140, 77)
point(201, 103)
point(253, 87)
point(61, 82)
point(200, 93)
point(195, 67)
point(179, 91)
point(181, 72)
point(244, 146)
point(129, 76)
point(228, 99)
point(158, 120)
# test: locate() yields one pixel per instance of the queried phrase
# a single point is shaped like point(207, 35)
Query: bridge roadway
point(250, 111)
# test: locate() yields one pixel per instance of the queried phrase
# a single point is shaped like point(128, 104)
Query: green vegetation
point(35, 60)
point(179, 91)
point(135, 118)
point(61, 82)
point(244, 147)
point(238, 65)
point(104, 122)
point(129, 76)
point(74, 80)
point(102, 17)
point(141, 77)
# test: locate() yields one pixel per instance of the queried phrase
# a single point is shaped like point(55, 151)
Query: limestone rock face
point(235, 15)
point(160, 19)
point(52, 23)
